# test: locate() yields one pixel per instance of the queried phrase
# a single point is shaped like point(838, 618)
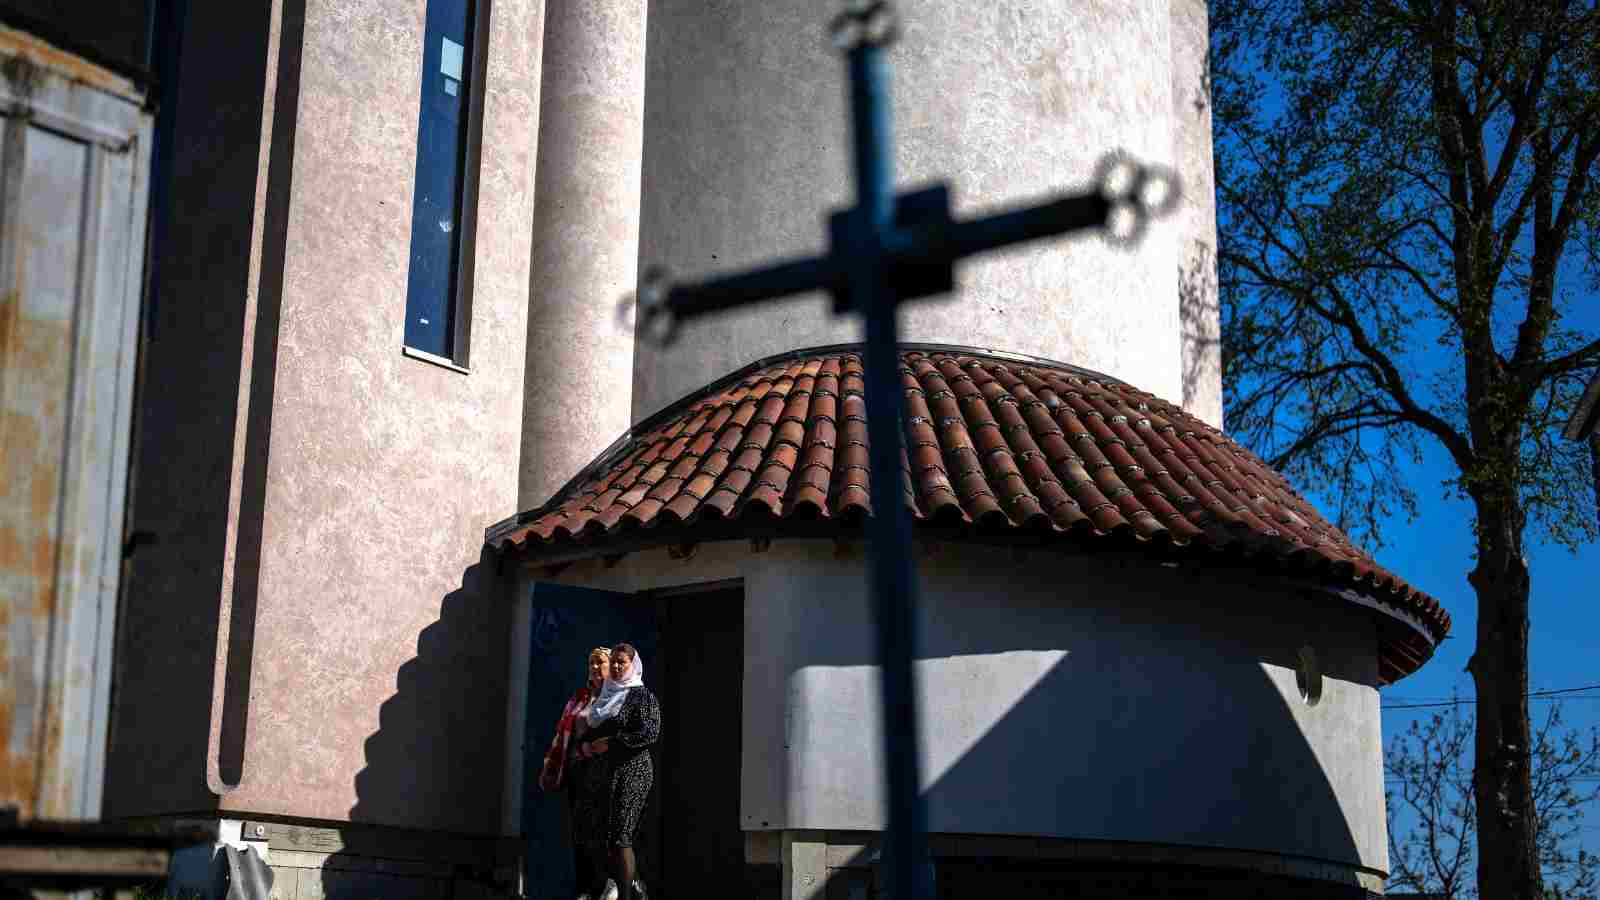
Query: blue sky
point(1434, 552)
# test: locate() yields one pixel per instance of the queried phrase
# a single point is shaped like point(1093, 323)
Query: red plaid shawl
point(555, 759)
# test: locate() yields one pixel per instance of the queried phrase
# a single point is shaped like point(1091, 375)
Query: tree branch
point(1581, 358)
point(1550, 241)
point(1524, 109)
point(1442, 77)
point(1540, 182)
point(1396, 264)
point(1346, 424)
point(1392, 381)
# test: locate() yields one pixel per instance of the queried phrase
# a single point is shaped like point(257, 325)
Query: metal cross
point(883, 251)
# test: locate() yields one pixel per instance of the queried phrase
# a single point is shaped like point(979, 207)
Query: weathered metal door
point(74, 164)
point(566, 622)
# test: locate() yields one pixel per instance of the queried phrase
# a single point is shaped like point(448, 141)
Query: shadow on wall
point(235, 712)
point(170, 622)
point(436, 760)
point(1231, 768)
point(1199, 328)
point(1147, 720)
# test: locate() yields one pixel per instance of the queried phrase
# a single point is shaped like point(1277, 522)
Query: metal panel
point(73, 175)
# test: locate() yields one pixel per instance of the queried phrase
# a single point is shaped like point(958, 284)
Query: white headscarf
point(612, 693)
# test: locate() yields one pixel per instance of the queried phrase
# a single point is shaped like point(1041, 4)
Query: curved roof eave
point(998, 445)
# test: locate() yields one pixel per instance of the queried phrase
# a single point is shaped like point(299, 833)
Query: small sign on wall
point(450, 55)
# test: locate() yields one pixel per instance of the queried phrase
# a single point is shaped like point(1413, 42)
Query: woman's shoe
point(611, 892)
point(638, 890)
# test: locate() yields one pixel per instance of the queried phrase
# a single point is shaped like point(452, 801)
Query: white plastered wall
point(1062, 696)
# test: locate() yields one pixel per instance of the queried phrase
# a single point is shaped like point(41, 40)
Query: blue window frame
point(443, 208)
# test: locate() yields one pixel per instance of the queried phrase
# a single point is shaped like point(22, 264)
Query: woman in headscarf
point(563, 767)
point(624, 722)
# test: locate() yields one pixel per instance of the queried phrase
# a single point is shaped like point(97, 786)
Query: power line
point(1396, 779)
point(1410, 700)
point(1534, 695)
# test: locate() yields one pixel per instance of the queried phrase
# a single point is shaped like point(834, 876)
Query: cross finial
point(865, 22)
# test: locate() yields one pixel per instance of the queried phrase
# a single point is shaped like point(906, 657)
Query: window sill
point(430, 358)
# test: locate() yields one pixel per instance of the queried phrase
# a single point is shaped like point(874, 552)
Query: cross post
point(885, 250)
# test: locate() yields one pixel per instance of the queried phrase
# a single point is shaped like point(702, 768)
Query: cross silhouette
point(885, 250)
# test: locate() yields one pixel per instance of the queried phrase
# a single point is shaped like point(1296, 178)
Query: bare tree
point(1429, 771)
point(1407, 209)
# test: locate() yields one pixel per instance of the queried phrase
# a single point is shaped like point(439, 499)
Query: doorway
point(701, 688)
point(689, 842)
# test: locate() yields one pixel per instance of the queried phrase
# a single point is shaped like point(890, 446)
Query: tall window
point(443, 209)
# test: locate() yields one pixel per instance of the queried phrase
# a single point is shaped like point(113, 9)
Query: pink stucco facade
point(321, 571)
point(381, 465)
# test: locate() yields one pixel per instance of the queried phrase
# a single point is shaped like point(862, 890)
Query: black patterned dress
point(615, 786)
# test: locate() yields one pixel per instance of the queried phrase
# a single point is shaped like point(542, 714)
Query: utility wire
point(1531, 695)
point(1400, 779)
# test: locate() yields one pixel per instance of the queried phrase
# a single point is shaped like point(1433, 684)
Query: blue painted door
point(566, 622)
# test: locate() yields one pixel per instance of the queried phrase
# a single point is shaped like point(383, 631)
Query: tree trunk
point(1508, 863)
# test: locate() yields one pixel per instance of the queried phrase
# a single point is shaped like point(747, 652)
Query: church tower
point(747, 150)
point(726, 145)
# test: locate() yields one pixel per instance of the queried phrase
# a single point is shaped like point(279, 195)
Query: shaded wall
point(113, 33)
point(199, 317)
point(1008, 101)
point(1162, 710)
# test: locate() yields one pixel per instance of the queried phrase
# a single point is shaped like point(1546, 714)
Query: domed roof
point(995, 446)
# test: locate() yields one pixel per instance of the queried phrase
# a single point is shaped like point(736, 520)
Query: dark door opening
point(701, 688)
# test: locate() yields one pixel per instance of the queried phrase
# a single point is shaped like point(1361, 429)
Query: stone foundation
point(335, 861)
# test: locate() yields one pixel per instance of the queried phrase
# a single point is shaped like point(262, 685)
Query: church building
point(397, 460)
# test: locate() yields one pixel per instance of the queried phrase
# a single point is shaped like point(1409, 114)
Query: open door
point(566, 622)
point(701, 689)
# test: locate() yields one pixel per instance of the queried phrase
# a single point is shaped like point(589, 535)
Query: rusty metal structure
point(74, 173)
point(75, 169)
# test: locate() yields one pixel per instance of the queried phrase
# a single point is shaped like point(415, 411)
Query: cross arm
point(663, 306)
point(932, 242)
point(919, 251)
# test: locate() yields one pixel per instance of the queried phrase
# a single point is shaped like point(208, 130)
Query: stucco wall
point(1200, 327)
point(1161, 710)
point(1009, 101)
point(376, 646)
point(585, 239)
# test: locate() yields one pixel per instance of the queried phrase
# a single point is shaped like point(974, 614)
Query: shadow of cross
point(885, 250)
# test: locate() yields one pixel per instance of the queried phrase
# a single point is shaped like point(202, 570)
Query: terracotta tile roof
point(993, 445)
